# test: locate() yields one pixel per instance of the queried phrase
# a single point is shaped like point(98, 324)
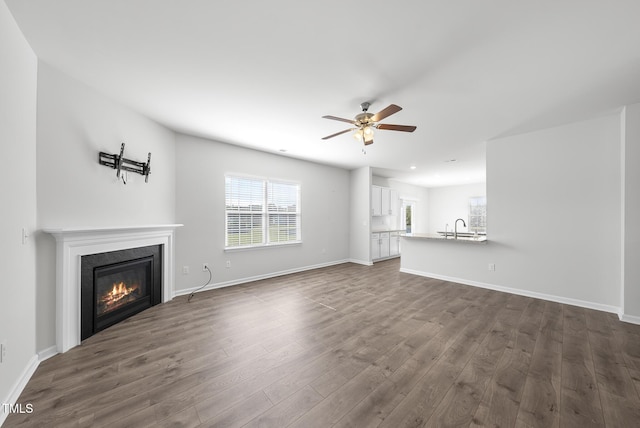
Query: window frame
point(266, 214)
point(474, 203)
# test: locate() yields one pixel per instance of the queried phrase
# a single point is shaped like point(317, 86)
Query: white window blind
point(261, 212)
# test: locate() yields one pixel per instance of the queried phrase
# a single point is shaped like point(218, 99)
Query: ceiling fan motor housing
point(364, 119)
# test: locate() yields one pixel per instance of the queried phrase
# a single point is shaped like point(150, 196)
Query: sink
point(467, 236)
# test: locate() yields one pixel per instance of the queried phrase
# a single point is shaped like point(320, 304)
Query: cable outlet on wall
point(492, 267)
point(205, 267)
point(3, 351)
point(228, 265)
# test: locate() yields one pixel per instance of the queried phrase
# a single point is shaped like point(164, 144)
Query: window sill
point(261, 247)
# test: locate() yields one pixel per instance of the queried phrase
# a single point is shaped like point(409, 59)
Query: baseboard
point(526, 293)
point(239, 281)
point(15, 392)
point(45, 354)
point(361, 262)
point(632, 319)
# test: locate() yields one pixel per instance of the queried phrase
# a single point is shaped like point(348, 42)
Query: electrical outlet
point(3, 351)
point(185, 270)
point(492, 267)
point(205, 267)
point(228, 265)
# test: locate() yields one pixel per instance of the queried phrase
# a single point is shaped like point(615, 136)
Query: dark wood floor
point(347, 346)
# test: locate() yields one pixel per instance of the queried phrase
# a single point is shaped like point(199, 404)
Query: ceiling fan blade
point(340, 119)
point(338, 133)
point(404, 128)
point(386, 112)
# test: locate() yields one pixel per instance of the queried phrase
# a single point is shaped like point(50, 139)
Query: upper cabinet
point(394, 202)
point(384, 201)
point(376, 200)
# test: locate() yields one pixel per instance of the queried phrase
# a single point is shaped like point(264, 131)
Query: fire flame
point(119, 295)
point(119, 291)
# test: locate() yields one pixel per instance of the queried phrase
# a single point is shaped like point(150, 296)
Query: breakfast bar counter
point(467, 239)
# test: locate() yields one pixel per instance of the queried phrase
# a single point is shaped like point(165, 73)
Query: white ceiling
point(262, 73)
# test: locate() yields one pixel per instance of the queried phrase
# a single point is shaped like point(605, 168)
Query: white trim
point(632, 319)
point(261, 246)
point(73, 243)
point(623, 153)
point(381, 259)
point(45, 354)
point(361, 262)
point(257, 278)
point(18, 387)
point(526, 293)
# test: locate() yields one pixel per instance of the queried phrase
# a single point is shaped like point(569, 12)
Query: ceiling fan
point(366, 122)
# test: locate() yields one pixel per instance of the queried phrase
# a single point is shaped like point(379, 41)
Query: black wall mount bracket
point(120, 164)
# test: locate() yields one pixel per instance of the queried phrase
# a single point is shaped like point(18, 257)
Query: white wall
point(360, 216)
point(18, 198)
point(74, 123)
point(200, 169)
point(447, 204)
point(554, 218)
point(631, 231)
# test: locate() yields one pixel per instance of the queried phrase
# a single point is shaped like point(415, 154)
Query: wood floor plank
point(420, 403)
point(338, 403)
point(241, 413)
point(346, 346)
point(608, 360)
point(288, 410)
point(540, 402)
point(501, 400)
point(580, 400)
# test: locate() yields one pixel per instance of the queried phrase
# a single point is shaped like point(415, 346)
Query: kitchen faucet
point(455, 233)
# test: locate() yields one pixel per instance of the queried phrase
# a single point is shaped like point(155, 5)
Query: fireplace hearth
point(117, 285)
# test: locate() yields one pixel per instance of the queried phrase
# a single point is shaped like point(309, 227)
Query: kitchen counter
point(480, 239)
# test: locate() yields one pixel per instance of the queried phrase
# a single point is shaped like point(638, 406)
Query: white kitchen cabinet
point(394, 244)
point(384, 201)
point(375, 246)
point(376, 201)
point(384, 244)
point(394, 202)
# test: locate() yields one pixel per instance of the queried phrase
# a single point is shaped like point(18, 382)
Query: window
point(478, 214)
point(407, 215)
point(261, 212)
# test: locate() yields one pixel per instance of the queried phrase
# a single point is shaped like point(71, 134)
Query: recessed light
point(412, 167)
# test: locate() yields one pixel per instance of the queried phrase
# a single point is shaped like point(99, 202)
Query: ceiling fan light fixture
point(365, 122)
point(364, 134)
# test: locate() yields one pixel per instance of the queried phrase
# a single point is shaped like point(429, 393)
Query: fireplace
point(117, 285)
point(72, 244)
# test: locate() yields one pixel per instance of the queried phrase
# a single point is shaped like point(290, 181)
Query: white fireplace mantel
point(73, 243)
